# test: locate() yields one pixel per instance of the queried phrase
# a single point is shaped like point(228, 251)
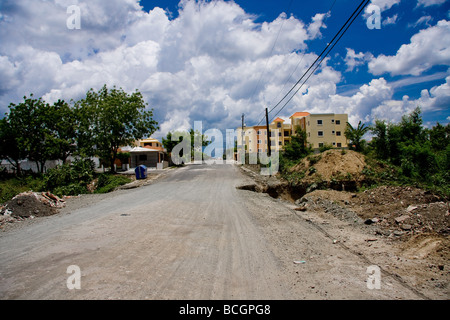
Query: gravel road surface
point(189, 235)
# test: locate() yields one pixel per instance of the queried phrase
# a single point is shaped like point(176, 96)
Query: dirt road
point(190, 235)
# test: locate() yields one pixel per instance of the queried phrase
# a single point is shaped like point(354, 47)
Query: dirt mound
point(332, 165)
point(33, 204)
point(395, 210)
point(405, 209)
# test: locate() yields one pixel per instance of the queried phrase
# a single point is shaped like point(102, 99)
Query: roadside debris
point(29, 205)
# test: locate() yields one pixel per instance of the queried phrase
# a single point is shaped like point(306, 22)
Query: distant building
point(148, 152)
point(320, 129)
point(149, 143)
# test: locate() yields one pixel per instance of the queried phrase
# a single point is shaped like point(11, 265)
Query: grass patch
point(108, 182)
point(13, 186)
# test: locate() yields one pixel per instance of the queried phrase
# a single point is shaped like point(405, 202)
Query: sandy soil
point(403, 230)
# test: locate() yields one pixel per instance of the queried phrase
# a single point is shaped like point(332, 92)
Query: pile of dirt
point(406, 210)
point(395, 210)
point(332, 165)
point(36, 204)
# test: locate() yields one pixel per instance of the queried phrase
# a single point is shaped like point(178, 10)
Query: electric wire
point(331, 48)
point(271, 51)
point(303, 56)
point(338, 35)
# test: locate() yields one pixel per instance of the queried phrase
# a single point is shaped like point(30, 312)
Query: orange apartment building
point(321, 129)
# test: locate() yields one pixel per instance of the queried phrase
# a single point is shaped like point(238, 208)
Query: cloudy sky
point(211, 61)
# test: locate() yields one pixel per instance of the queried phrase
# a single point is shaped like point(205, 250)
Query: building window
point(259, 141)
point(339, 144)
point(279, 134)
point(334, 143)
point(338, 133)
point(286, 133)
point(320, 133)
point(278, 124)
point(279, 143)
point(259, 132)
point(320, 144)
point(338, 121)
point(332, 132)
point(308, 123)
point(332, 120)
point(319, 122)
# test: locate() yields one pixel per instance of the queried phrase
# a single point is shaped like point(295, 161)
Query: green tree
point(355, 135)
point(9, 148)
point(62, 129)
point(168, 143)
point(84, 133)
point(298, 147)
point(30, 122)
point(115, 119)
point(439, 136)
point(380, 139)
point(411, 127)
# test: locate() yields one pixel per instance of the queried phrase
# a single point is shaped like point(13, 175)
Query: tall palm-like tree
point(354, 135)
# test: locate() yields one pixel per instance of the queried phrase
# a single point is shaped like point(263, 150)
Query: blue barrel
point(141, 172)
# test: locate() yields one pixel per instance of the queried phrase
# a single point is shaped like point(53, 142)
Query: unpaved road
point(190, 235)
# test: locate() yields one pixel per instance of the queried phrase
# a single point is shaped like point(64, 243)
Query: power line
point(334, 44)
point(346, 25)
point(303, 56)
point(271, 51)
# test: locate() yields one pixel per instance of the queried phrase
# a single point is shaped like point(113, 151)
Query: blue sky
point(211, 61)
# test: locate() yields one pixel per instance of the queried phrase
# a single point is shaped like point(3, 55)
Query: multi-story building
point(321, 129)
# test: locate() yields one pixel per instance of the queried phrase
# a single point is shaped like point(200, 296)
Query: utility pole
point(242, 142)
point(268, 133)
point(268, 143)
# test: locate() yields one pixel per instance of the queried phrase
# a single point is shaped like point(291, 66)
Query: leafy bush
point(70, 190)
point(11, 187)
point(325, 147)
point(108, 182)
point(294, 178)
point(69, 179)
point(416, 155)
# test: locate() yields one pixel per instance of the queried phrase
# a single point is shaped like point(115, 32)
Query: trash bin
point(141, 172)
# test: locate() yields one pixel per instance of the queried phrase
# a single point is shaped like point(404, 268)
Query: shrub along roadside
point(107, 182)
point(13, 186)
point(64, 180)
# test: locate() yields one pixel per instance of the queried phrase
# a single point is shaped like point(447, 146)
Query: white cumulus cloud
point(427, 48)
point(206, 64)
